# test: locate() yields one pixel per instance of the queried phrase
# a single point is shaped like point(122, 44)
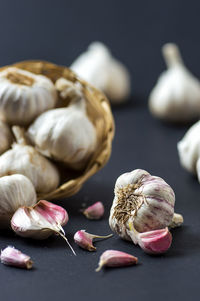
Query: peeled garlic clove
point(98, 67)
point(24, 95)
point(142, 200)
point(176, 96)
point(14, 257)
point(189, 148)
point(40, 221)
point(65, 134)
point(15, 191)
point(85, 240)
point(5, 137)
point(95, 211)
point(24, 159)
point(113, 258)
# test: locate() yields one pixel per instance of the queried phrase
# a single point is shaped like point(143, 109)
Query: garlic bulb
point(5, 137)
point(24, 159)
point(65, 134)
point(189, 150)
point(141, 201)
point(15, 191)
point(176, 96)
point(98, 67)
point(24, 95)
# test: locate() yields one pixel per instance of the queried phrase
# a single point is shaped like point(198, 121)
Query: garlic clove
point(40, 221)
point(5, 137)
point(85, 240)
point(98, 67)
point(24, 159)
point(114, 258)
point(176, 96)
point(176, 221)
point(14, 257)
point(95, 211)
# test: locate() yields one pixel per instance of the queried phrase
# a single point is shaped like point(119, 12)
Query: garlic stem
point(65, 238)
point(19, 135)
point(177, 221)
point(171, 55)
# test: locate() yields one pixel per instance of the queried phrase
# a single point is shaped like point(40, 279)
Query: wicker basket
point(99, 112)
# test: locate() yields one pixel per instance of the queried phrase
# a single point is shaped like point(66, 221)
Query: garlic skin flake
point(5, 137)
point(85, 240)
point(95, 211)
point(65, 134)
point(143, 201)
point(25, 159)
point(24, 95)
point(176, 96)
point(15, 191)
point(98, 67)
point(14, 257)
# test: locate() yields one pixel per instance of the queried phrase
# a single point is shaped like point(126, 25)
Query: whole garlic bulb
point(5, 137)
point(65, 134)
point(189, 150)
point(141, 201)
point(98, 67)
point(15, 191)
point(25, 159)
point(24, 95)
point(176, 96)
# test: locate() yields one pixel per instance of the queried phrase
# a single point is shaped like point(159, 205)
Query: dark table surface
point(58, 31)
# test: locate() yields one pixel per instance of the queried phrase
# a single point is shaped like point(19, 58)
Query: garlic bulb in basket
point(5, 137)
point(176, 96)
point(24, 159)
point(24, 95)
point(65, 134)
point(15, 191)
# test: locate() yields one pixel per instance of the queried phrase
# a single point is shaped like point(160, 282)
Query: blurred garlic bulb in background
point(65, 134)
point(15, 191)
point(189, 150)
point(5, 137)
point(176, 96)
point(99, 68)
point(24, 95)
point(24, 159)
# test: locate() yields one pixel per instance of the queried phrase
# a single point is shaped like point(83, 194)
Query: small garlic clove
point(95, 211)
point(85, 240)
point(177, 221)
point(40, 221)
point(113, 258)
point(14, 257)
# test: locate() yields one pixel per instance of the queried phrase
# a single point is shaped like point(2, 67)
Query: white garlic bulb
point(98, 67)
point(65, 134)
point(25, 159)
point(5, 137)
point(176, 96)
point(24, 95)
point(15, 191)
point(189, 150)
point(142, 202)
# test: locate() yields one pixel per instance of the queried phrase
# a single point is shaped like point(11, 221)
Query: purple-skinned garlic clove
point(85, 240)
point(14, 257)
point(40, 221)
point(95, 211)
point(114, 258)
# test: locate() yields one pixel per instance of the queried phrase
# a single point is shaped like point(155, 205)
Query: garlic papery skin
point(95, 211)
point(65, 134)
point(152, 242)
point(14, 257)
point(176, 96)
point(15, 191)
point(144, 201)
point(176, 221)
point(98, 67)
point(114, 258)
point(85, 240)
point(189, 148)
point(5, 137)
point(69, 89)
point(24, 95)
point(25, 159)
point(40, 221)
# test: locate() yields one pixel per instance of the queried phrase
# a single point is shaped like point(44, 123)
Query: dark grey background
point(58, 31)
